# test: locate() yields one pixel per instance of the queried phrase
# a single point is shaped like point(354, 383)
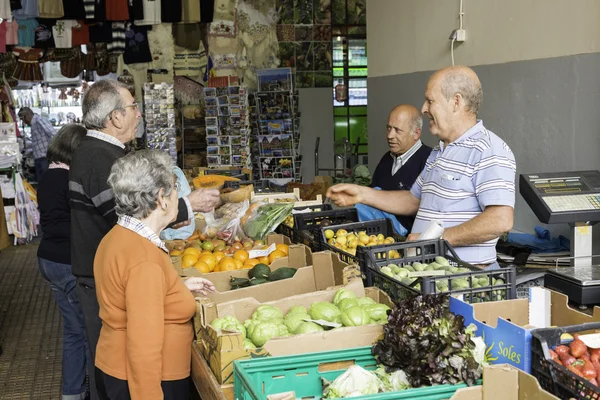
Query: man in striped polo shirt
point(469, 180)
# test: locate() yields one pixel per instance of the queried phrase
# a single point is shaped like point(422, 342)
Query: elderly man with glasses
point(111, 116)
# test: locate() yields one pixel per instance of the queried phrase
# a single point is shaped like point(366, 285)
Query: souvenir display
point(227, 124)
point(159, 110)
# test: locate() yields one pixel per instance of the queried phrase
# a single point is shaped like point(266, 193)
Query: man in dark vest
point(400, 167)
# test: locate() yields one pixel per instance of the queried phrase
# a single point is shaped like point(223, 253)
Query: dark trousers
point(86, 290)
point(41, 166)
point(111, 388)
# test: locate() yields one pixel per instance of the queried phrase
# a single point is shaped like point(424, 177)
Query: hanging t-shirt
point(100, 33)
point(12, 32)
point(81, 34)
point(95, 10)
point(29, 9)
point(27, 29)
point(152, 13)
point(171, 11)
point(136, 9)
point(63, 34)
point(15, 5)
point(43, 34)
point(207, 10)
point(190, 11)
point(117, 10)
point(5, 10)
point(3, 37)
point(50, 9)
point(73, 9)
point(117, 44)
point(137, 48)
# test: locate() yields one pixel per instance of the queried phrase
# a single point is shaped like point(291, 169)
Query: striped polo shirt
point(460, 181)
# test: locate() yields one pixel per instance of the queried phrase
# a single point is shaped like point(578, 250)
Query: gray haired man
point(111, 116)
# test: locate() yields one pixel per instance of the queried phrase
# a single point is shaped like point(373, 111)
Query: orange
point(263, 260)
point(206, 251)
point(188, 260)
point(284, 248)
point(219, 255)
point(209, 259)
point(192, 250)
point(227, 264)
point(202, 267)
point(238, 264)
point(247, 266)
point(241, 255)
point(175, 253)
point(275, 255)
point(251, 261)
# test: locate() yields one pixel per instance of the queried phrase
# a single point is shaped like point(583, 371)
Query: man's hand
point(412, 237)
point(199, 285)
point(204, 200)
point(345, 194)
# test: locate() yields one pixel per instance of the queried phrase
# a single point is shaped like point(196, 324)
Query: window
point(349, 37)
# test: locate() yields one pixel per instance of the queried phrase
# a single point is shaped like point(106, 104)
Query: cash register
point(572, 198)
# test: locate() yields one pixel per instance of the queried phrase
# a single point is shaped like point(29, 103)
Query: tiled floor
point(30, 329)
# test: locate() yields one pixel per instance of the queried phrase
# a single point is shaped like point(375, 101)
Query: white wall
point(412, 35)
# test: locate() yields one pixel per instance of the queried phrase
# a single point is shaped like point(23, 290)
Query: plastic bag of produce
point(262, 219)
point(225, 223)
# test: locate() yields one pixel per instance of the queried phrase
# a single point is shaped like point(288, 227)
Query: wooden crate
point(206, 384)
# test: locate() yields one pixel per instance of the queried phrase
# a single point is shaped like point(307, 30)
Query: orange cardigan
point(146, 313)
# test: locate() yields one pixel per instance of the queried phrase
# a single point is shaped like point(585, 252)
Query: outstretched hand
point(345, 194)
point(204, 200)
point(199, 285)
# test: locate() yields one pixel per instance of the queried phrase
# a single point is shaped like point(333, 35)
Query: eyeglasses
point(134, 105)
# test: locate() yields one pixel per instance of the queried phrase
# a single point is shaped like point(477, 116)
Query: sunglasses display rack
point(227, 123)
point(159, 113)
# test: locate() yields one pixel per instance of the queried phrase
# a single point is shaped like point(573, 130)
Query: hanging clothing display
point(63, 33)
point(117, 44)
point(12, 31)
point(5, 11)
point(117, 10)
point(188, 36)
point(190, 11)
point(73, 9)
point(43, 34)
point(171, 11)
point(224, 21)
point(51, 9)
point(28, 64)
point(190, 63)
point(29, 9)
point(27, 29)
point(152, 13)
point(137, 48)
point(80, 34)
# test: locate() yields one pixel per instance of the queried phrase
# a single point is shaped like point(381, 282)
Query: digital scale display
point(563, 197)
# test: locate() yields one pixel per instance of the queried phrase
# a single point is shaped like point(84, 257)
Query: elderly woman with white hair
point(144, 350)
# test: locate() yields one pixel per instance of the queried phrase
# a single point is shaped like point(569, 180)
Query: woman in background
point(54, 257)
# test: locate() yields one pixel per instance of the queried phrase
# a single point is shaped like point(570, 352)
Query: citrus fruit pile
point(208, 258)
point(349, 241)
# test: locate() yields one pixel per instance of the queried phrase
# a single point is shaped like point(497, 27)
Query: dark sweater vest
point(403, 179)
point(93, 203)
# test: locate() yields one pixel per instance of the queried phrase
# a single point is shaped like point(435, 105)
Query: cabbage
point(292, 321)
point(248, 345)
point(342, 294)
point(325, 311)
point(267, 313)
point(308, 327)
point(234, 326)
point(265, 330)
point(364, 301)
point(393, 382)
point(377, 311)
point(219, 323)
point(298, 310)
point(355, 316)
point(356, 381)
point(347, 303)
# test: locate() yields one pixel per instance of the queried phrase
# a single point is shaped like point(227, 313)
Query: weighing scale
point(573, 198)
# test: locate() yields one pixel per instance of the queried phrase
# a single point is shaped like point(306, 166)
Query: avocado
point(325, 222)
point(282, 273)
point(257, 281)
point(259, 271)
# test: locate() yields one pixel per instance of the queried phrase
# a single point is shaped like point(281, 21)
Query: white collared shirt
point(402, 159)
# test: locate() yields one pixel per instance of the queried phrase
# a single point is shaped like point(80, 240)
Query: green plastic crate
point(256, 378)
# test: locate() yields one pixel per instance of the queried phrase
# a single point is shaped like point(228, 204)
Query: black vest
point(403, 179)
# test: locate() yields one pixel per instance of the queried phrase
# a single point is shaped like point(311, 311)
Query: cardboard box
point(176, 260)
point(276, 197)
point(504, 382)
point(206, 384)
point(506, 325)
point(221, 349)
point(316, 271)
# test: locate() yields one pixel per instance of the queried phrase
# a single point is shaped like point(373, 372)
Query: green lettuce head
point(325, 311)
point(267, 313)
point(355, 316)
point(342, 294)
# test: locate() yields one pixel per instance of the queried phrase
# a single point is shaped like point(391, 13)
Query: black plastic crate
point(552, 376)
point(373, 227)
point(307, 228)
point(292, 232)
point(261, 186)
point(425, 252)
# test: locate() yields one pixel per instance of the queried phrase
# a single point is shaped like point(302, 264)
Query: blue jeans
point(41, 166)
point(75, 352)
